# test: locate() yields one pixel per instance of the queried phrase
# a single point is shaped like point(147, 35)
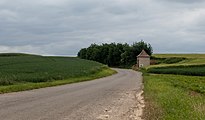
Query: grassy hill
point(175, 88)
point(23, 71)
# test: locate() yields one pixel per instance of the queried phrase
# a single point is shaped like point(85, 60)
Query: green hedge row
point(194, 70)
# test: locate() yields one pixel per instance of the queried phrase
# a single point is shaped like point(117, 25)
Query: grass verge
point(29, 86)
point(174, 97)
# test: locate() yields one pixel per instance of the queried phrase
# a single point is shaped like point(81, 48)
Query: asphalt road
point(112, 98)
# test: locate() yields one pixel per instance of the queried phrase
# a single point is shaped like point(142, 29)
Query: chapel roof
point(143, 54)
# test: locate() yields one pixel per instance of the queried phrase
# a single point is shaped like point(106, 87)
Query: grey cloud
point(64, 26)
point(185, 1)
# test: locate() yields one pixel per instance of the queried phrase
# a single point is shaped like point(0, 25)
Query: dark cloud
point(62, 27)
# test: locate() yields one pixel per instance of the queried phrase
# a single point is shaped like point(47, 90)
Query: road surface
point(110, 98)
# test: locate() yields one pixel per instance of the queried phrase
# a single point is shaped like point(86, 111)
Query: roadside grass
point(29, 86)
point(180, 96)
point(23, 72)
point(174, 97)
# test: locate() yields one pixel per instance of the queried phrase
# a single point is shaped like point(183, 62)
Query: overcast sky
point(63, 27)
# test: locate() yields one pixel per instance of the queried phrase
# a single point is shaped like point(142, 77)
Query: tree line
point(115, 54)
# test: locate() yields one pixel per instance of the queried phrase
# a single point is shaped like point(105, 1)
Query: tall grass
point(174, 97)
point(180, 96)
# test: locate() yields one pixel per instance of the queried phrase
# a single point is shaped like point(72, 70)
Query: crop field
point(196, 70)
point(180, 55)
point(18, 69)
point(190, 59)
point(179, 96)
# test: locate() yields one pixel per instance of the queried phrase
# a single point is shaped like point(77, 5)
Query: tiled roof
point(143, 54)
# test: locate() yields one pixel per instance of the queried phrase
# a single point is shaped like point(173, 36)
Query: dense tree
point(115, 54)
point(82, 53)
point(126, 56)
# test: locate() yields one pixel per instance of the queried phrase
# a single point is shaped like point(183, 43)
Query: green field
point(192, 70)
point(175, 97)
point(191, 59)
point(180, 55)
point(22, 71)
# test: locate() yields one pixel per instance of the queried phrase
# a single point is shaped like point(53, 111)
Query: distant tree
point(115, 54)
point(91, 52)
point(82, 53)
point(126, 55)
point(137, 47)
point(104, 53)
